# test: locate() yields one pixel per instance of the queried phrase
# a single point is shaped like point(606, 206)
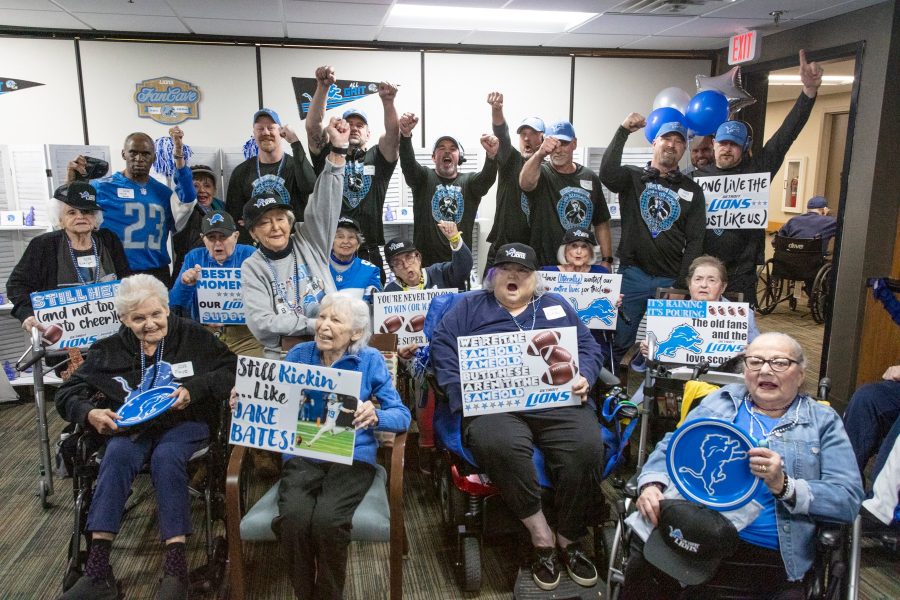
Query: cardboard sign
point(403, 313)
point(299, 409)
point(219, 297)
point(592, 295)
point(340, 92)
point(76, 317)
point(167, 100)
point(736, 201)
point(688, 331)
point(518, 371)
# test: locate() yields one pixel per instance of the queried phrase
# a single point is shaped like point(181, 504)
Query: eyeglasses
point(405, 259)
point(779, 364)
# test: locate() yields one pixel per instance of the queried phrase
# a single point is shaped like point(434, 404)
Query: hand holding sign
point(365, 415)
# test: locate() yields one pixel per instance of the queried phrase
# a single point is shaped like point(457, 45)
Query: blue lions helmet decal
point(216, 218)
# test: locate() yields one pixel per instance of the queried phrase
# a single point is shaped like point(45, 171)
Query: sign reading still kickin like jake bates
point(688, 331)
point(736, 201)
point(167, 100)
point(403, 313)
point(219, 297)
point(592, 295)
point(76, 317)
point(517, 371)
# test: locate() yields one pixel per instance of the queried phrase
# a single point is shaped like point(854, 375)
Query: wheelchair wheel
point(820, 298)
point(44, 493)
point(453, 501)
point(469, 564)
point(768, 289)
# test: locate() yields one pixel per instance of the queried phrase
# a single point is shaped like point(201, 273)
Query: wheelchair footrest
point(525, 589)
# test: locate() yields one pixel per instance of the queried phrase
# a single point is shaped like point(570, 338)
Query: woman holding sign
point(804, 470)
point(78, 253)
point(503, 443)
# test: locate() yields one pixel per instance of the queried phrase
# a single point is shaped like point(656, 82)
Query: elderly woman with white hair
point(316, 499)
point(150, 350)
point(77, 253)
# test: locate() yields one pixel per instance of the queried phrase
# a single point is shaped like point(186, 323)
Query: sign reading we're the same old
point(736, 201)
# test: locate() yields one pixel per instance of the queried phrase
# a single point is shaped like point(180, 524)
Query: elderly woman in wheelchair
point(804, 462)
point(503, 443)
point(152, 349)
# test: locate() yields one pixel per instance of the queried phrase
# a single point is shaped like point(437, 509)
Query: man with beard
point(702, 152)
point(663, 220)
point(742, 249)
point(511, 220)
point(563, 195)
point(138, 208)
point(443, 193)
point(272, 170)
point(368, 171)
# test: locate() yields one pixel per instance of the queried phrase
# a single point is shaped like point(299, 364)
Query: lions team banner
point(736, 201)
point(219, 297)
point(592, 295)
point(403, 313)
point(304, 410)
point(340, 92)
point(688, 331)
point(76, 317)
point(518, 371)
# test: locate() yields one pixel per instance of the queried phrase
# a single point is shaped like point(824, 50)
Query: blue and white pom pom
point(165, 159)
point(250, 149)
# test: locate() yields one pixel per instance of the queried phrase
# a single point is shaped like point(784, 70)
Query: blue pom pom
point(251, 149)
point(165, 156)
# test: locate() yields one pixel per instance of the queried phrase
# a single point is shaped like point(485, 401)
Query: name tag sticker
point(587, 184)
point(369, 170)
point(182, 370)
point(686, 194)
point(125, 193)
point(554, 312)
point(87, 262)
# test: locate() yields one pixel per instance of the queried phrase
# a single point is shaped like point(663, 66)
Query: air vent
point(665, 7)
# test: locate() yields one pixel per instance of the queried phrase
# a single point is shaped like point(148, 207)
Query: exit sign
point(742, 48)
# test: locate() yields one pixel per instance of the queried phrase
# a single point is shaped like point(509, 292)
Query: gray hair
point(357, 310)
point(796, 348)
point(136, 289)
point(56, 208)
point(489, 284)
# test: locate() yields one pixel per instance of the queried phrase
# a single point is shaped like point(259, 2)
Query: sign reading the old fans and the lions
point(518, 371)
point(300, 409)
point(167, 100)
point(9, 85)
point(403, 313)
point(592, 295)
point(340, 92)
point(76, 317)
point(219, 297)
point(688, 331)
point(736, 201)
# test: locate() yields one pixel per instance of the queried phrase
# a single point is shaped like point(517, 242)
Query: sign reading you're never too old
point(167, 100)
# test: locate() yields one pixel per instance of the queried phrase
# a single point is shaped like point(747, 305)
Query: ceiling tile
point(40, 18)
point(660, 42)
point(760, 9)
point(320, 31)
point(257, 10)
point(342, 13)
point(269, 29)
point(825, 12)
point(422, 36)
point(468, 3)
point(28, 5)
point(631, 24)
point(121, 7)
point(592, 6)
point(587, 40)
point(143, 24)
point(506, 38)
point(384, 2)
point(669, 8)
point(713, 27)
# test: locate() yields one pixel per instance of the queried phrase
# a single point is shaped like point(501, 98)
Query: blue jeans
point(637, 288)
point(872, 420)
point(168, 452)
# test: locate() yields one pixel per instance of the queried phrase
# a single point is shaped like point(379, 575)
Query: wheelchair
point(795, 259)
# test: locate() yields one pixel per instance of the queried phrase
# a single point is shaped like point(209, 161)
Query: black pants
point(161, 273)
point(316, 502)
point(568, 436)
point(744, 283)
point(373, 255)
point(752, 573)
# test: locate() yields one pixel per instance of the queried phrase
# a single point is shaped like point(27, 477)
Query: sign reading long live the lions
point(688, 331)
point(518, 371)
point(219, 297)
point(300, 409)
point(76, 317)
point(736, 201)
point(592, 295)
point(403, 313)
point(340, 92)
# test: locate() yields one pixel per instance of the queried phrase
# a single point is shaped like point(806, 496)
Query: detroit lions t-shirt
point(763, 531)
point(511, 218)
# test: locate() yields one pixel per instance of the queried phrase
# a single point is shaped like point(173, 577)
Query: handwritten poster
point(403, 313)
point(76, 317)
point(592, 295)
point(688, 331)
point(736, 201)
point(219, 297)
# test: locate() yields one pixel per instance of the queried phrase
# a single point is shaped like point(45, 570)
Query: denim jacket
point(816, 453)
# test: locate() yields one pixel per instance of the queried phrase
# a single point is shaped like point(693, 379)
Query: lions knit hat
point(396, 247)
point(78, 194)
point(520, 254)
point(260, 203)
point(218, 221)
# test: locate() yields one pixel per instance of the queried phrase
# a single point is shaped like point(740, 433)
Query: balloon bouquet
point(717, 99)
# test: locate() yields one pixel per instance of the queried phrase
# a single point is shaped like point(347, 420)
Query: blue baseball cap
point(267, 112)
point(532, 123)
point(733, 131)
point(817, 202)
point(352, 112)
point(561, 130)
point(672, 127)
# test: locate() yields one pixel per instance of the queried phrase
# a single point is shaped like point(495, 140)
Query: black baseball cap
point(579, 234)
point(78, 194)
point(218, 221)
point(348, 223)
point(690, 541)
point(260, 203)
point(396, 247)
point(521, 254)
point(94, 168)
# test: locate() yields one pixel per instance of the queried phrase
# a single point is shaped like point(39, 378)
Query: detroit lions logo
point(601, 309)
point(273, 184)
point(716, 451)
point(150, 380)
point(86, 196)
point(574, 208)
point(659, 208)
point(216, 218)
point(447, 204)
point(682, 337)
point(356, 183)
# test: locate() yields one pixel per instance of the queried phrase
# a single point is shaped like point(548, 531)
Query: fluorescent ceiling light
point(414, 16)
point(795, 79)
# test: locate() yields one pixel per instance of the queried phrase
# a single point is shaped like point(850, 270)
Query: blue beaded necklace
point(159, 353)
point(279, 286)
point(75, 261)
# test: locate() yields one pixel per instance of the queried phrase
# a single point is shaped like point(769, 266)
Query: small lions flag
point(9, 84)
point(340, 92)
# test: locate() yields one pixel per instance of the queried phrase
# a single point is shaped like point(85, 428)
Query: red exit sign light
point(743, 48)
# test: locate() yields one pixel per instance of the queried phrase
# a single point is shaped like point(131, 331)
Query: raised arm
point(482, 181)
point(306, 180)
point(499, 126)
point(389, 143)
point(531, 170)
point(413, 172)
point(324, 207)
point(612, 173)
point(315, 117)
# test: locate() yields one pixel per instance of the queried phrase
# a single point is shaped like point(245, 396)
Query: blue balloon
point(707, 110)
point(658, 118)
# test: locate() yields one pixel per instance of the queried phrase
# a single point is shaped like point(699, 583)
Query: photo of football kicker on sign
point(403, 313)
point(219, 297)
point(76, 317)
point(592, 295)
point(517, 371)
point(686, 331)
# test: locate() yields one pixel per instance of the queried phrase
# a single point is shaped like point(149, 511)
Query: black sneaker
point(87, 588)
point(578, 565)
point(545, 568)
point(173, 588)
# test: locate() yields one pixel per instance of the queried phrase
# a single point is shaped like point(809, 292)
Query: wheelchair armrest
point(631, 488)
point(831, 535)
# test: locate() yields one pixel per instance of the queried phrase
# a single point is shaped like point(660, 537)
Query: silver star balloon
point(730, 84)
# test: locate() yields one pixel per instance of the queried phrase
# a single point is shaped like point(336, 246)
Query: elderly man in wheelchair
point(800, 469)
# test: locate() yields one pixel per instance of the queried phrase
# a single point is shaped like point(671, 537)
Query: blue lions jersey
point(361, 278)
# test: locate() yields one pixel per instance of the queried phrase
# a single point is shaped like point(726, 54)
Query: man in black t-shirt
point(563, 195)
point(368, 171)
point(273, 169)
point(511, 220)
